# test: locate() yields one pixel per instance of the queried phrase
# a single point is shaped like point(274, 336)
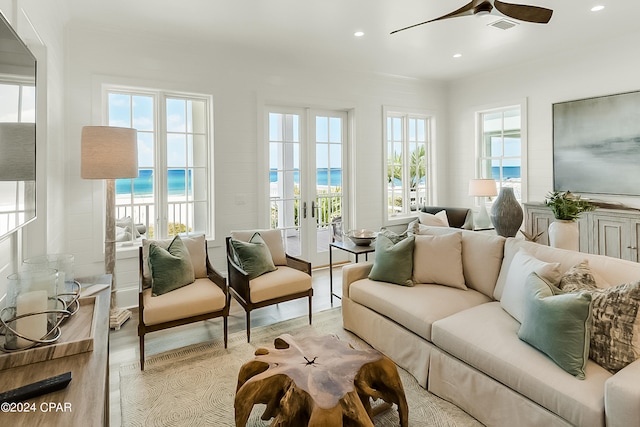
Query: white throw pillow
point(439, 220)
point(438, 259)
point(522, 265)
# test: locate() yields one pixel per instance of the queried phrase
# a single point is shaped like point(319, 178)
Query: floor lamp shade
point(109, 152)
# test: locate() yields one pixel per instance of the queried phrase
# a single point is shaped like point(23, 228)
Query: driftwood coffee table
point(318, 381)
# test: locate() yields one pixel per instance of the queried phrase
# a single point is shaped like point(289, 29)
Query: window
point(171, 194)
point(408, 162)
point(501, 147)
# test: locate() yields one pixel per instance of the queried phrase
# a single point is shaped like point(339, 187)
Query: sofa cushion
point(438, 260)
point(393, 262)
point(273, 239)
point(200, 297)
point(557, 325)
point(197, 252)
point(417, 307)
point(171, 268)
point(284, 281)
point(253, 256)
point(498, 352)
point(615, 337)
point(523, 264)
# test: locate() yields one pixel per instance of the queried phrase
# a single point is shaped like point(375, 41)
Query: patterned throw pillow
point(394, 237)
point(615, 335)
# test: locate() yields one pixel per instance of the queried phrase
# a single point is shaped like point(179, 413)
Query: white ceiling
point(320, 32)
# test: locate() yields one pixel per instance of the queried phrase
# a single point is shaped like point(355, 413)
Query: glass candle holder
point(31, 308)
point(67, 288)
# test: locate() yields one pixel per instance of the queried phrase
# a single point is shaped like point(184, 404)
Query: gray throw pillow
point(557, 325)
point(393, 262)
point(615, 333)
point(394, 237)
point(253, 256)
point(170, 268)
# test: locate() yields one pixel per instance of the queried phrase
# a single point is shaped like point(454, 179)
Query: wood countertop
point(85, 400)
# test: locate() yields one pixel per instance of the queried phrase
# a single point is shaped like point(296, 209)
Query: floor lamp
point(110, 153)
point(482, 188)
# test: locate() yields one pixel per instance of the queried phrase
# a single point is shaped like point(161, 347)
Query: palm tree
point(417, 168)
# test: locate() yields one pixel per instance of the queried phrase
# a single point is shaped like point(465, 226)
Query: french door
point(307, 178)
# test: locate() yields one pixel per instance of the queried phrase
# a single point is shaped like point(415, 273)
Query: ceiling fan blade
point(522, 12)
point(467, 9)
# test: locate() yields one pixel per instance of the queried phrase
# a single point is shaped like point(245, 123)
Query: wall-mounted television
point(17, 131)
point(596, 145)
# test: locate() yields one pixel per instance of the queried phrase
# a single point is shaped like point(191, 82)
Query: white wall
point(241, 83)
point(606, 68)
point(40, 25)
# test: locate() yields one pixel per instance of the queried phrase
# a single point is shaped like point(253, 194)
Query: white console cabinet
point(611, 232)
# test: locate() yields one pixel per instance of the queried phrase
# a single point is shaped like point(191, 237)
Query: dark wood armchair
point(291, 280)
point(206, 298)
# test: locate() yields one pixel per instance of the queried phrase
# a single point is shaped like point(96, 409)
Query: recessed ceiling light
point(358, 34)
point(597, 8)
point(457, 55)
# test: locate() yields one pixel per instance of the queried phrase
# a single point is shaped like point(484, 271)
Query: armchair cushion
point(284, 281)
point(253, 256)
point(438, 220)
point(194, 244)
point(170, 268)
point(200, 297)
point(273, 239)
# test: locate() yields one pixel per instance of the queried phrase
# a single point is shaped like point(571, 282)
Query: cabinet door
point(635, 241)
point(611, 236)
point(539, 220)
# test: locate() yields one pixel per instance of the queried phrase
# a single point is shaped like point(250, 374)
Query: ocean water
point(322, 176)
point(143, 184)
point(507, 172)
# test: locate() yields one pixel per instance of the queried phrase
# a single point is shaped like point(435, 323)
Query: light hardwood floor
point(124, 343)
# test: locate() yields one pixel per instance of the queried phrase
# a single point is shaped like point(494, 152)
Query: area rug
point(195, 385)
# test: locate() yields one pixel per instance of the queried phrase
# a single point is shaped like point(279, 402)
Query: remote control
point(39, 388)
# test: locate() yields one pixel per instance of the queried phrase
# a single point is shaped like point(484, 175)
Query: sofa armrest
point(622, 397)
point(352, 273)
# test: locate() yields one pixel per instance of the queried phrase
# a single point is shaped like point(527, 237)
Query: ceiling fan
point(521, 12)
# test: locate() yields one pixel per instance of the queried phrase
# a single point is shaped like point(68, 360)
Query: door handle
point(304, 209)
point(313, 209)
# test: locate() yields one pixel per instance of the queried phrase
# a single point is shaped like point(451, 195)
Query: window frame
point(406, 114)
point(480, 141)
point(160, 165)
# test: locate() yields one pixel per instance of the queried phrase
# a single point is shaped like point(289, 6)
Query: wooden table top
point(85, 400)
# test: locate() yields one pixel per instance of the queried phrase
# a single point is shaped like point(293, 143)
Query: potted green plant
point(566, 208)
point(566, 205)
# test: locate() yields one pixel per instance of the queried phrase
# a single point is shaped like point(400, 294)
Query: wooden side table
point(348, 247)
point(85, 401)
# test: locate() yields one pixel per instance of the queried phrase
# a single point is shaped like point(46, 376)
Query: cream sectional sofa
point(463, 346)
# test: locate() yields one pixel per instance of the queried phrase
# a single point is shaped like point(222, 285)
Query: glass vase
point(31, 293)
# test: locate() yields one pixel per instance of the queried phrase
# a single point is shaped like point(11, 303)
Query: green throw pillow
point(393, 262)
point(557, 325)
point(253, 256)
point(171, 268)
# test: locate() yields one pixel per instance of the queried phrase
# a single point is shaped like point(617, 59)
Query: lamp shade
point(482, 187)
point(17, 151)
point(109, 152)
